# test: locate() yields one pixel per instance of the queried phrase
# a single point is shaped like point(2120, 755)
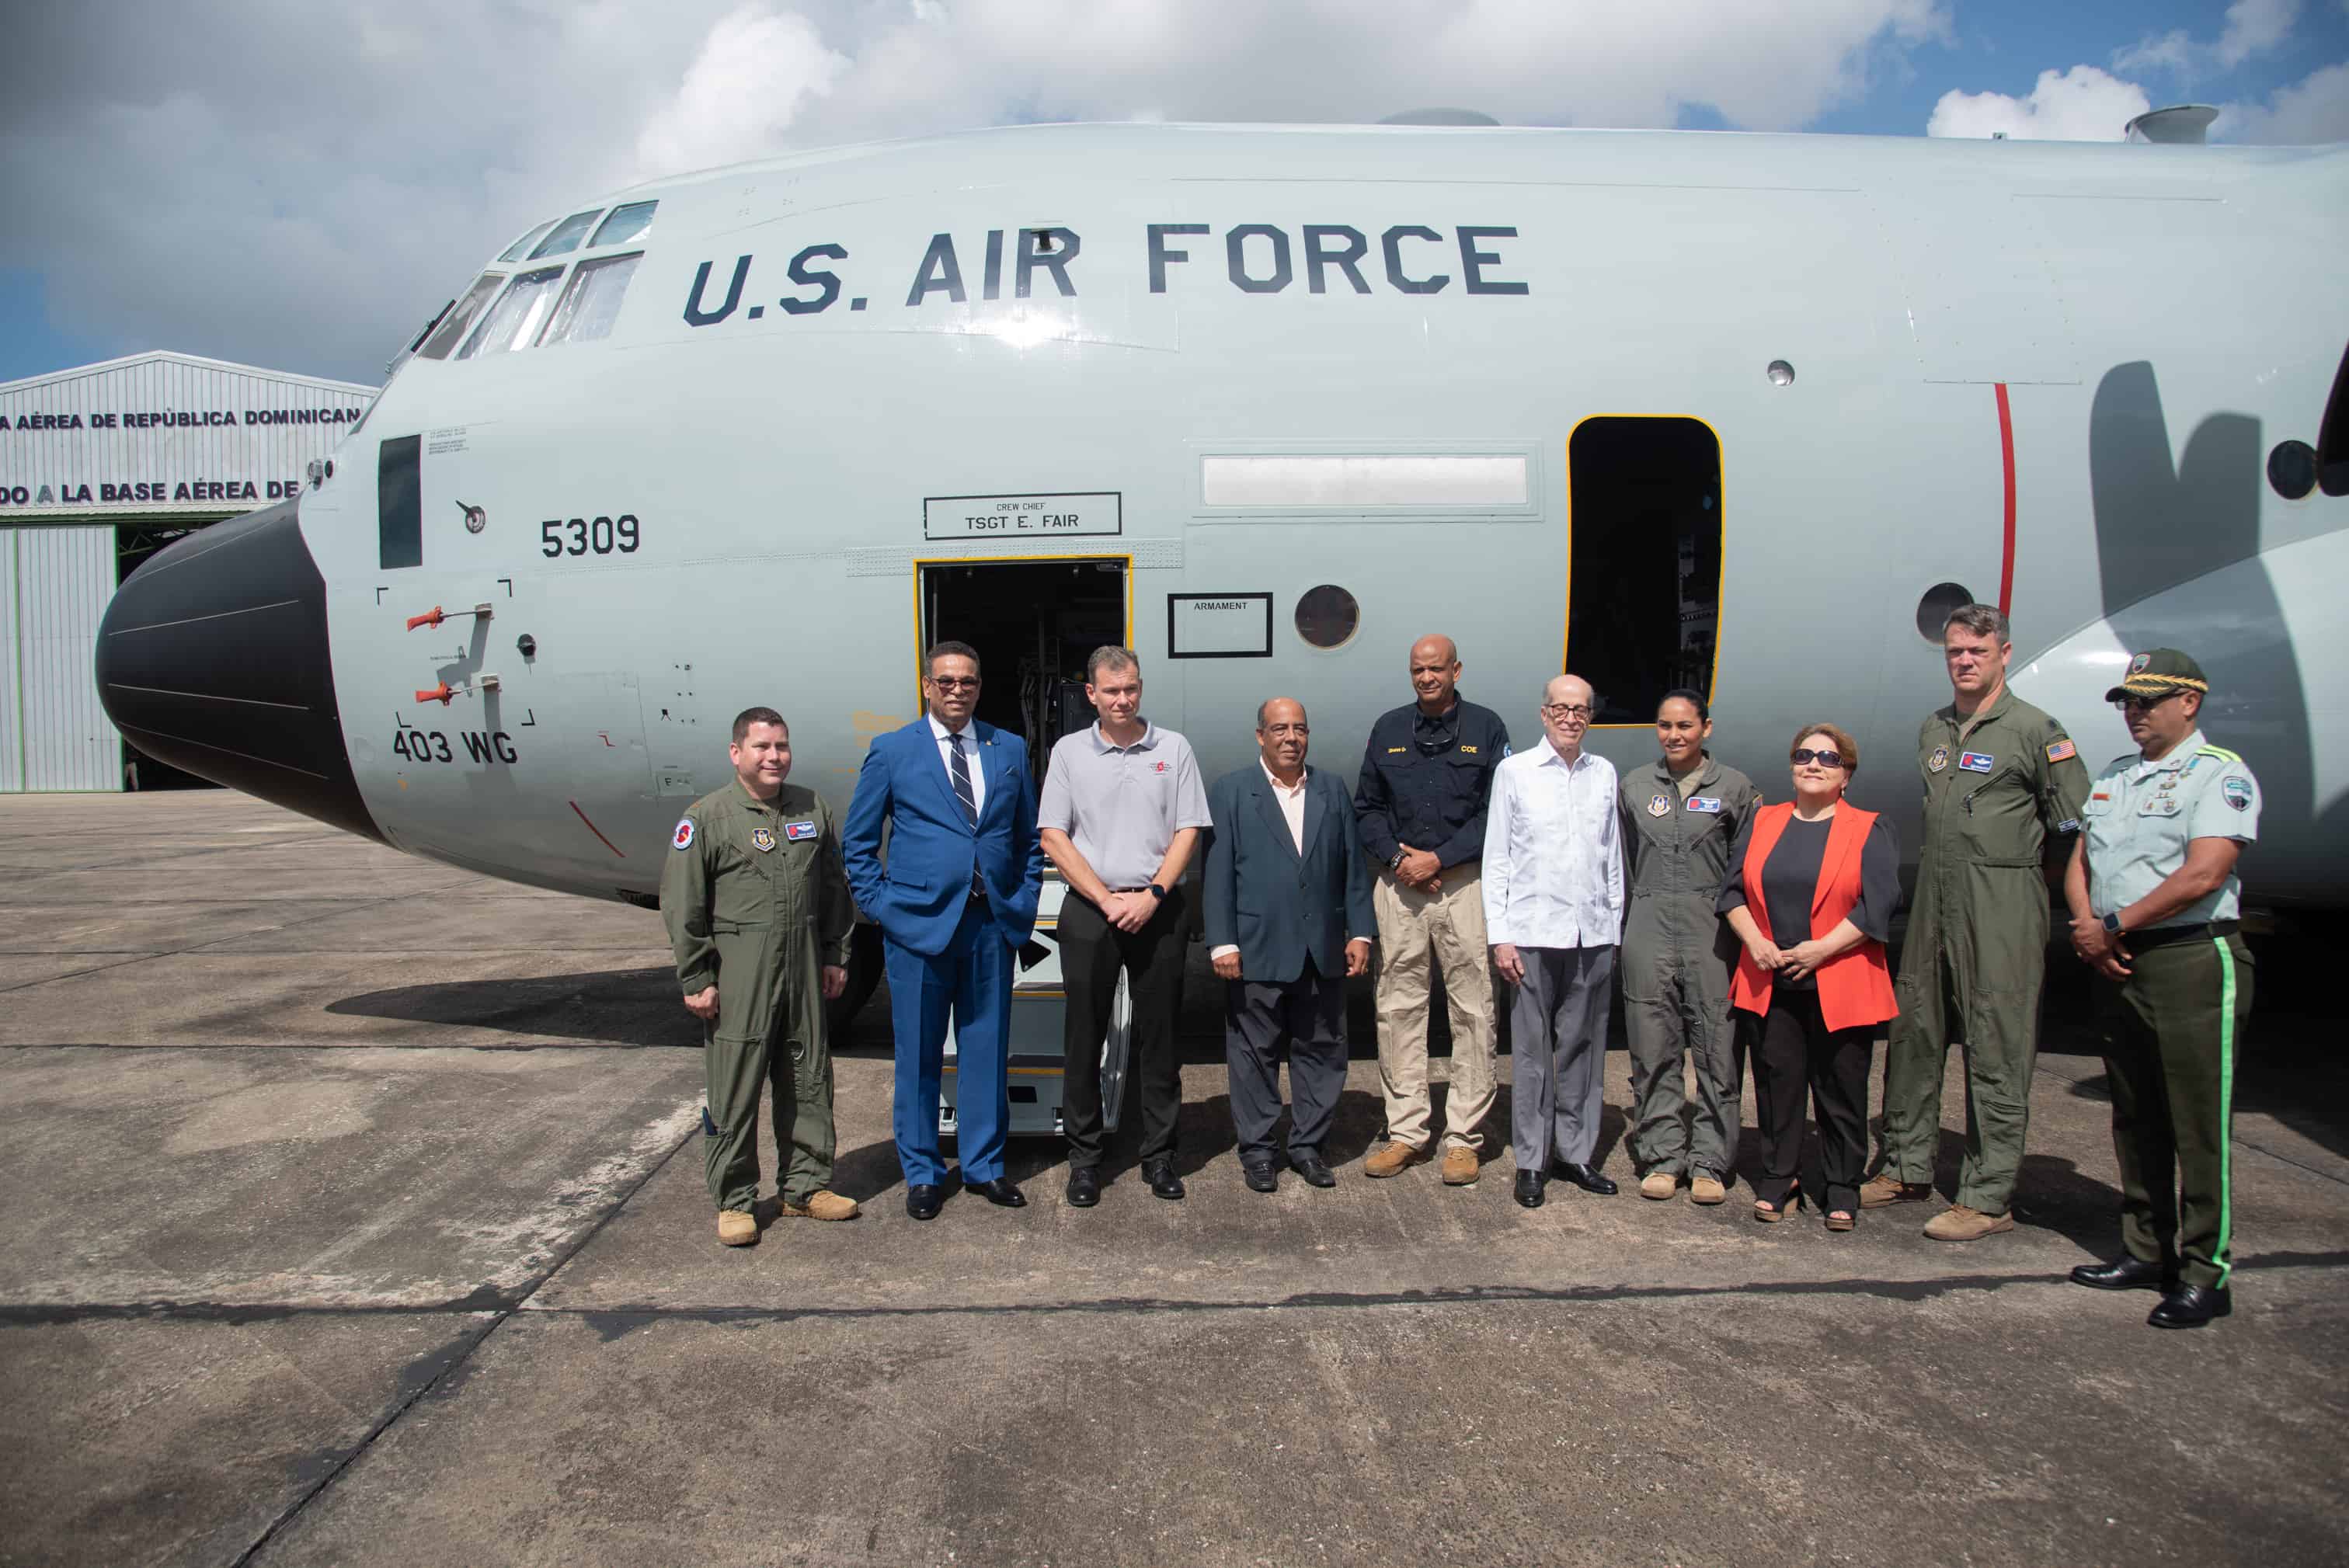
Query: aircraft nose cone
point(213, 658)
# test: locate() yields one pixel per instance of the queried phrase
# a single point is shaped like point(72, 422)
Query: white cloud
point(208, 179)
point(2250, 28)
point(2083, 104)
point(2253, 27)
point(755, 70)
point(2172, 51)
point(2314, 110)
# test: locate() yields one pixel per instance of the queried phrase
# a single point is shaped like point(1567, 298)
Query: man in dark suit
point(1288, 918)
point(955, 898)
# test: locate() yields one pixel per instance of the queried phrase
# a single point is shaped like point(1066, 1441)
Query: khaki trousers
point(1418, 931)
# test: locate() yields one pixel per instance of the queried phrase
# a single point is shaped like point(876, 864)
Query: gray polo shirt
point(1123, 805)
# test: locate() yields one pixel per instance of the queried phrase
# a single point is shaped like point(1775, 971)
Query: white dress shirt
point(1553, 853)
point(969, 757)
point(1292, 802)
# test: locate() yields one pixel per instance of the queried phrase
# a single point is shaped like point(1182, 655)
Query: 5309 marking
point(584, 536)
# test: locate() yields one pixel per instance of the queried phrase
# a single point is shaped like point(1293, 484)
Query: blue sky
point(208, 180)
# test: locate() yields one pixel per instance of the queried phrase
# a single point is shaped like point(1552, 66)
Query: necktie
point(962, 780)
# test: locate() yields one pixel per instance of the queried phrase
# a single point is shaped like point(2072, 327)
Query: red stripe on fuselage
point(2006, 456)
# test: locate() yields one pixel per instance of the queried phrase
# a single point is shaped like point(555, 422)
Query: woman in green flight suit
point(1681, 814)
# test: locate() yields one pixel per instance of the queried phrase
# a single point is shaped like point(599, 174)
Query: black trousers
point(1794, 1051)
point(1307, 1016)
point(1092, 950)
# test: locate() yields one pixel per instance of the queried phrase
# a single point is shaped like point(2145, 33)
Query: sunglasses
point(955, 682)
point(1803, 754)
point(2143, 704)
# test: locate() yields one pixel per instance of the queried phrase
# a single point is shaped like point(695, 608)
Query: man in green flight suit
point(2004, 790)
point(759, 916)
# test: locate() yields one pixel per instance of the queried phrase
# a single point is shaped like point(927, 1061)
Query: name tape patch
point(795, 831)
point(1709, 804)
point(1977, 761)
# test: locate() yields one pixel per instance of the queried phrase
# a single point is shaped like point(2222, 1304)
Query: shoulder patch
point(2238, 791)
point(2062, 751)
point(683, 838)
point(2068, 825)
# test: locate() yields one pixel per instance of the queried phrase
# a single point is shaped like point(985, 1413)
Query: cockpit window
point(625, 223)
point(513, 322)
point(513, 253)
point(452, 329)
point(567, 234)
point(591, 303)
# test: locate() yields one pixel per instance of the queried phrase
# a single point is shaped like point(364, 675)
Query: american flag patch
point(2062, 751)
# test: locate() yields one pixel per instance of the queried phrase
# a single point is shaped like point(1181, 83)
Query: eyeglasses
point(955, 682)
point(2143, 704)
point(1566, 709)
point(1803, 754)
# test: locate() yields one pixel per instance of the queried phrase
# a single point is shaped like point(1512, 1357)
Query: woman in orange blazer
point(1811, 889)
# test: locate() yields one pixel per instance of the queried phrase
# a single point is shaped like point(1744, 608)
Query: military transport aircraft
point(1747, 413)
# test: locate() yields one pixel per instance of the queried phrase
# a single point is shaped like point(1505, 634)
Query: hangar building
point(100, 468)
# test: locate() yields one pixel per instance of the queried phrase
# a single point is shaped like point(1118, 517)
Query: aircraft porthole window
point(1327, 616)
point(567, 234)
point(2292, 470)
point(627, 222)
point(1934, 609)
point(1781, 374)
point(516, 251)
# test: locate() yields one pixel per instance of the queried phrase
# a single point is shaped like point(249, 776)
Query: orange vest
point(1855, 987)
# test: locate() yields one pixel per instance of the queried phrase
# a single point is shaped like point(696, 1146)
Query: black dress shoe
point(1164, 1182)
point(1261, 1178)
point(2125, 1273)
point(1585, 1177)
point(2191, 1306)
point(1316, 1170)
point(922, 1199)
point(999, 1192)
point(1084, 1188)
point(1529, 1189)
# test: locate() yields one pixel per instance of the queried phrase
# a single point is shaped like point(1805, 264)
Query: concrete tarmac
point(355, 1215)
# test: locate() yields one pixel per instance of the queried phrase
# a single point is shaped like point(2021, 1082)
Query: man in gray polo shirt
point(1122, 810)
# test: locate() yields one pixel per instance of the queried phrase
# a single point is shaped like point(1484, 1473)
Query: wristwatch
point(2113, 922)
point(1155, 890)
point(1396, 863)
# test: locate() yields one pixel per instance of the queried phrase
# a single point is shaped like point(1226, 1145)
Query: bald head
point(1434, 672)
point(1566, 702)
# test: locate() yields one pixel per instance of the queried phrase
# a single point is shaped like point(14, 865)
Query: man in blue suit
point(955, 898)
point(1288, 911)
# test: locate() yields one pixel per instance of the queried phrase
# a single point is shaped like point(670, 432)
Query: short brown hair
point(750, 716)
point(1846, 747)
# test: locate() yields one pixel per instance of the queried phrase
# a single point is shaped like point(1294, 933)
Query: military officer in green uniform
point(2155, 900)
point(1681, 815)
point(759, 916)
point(2004, 787)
